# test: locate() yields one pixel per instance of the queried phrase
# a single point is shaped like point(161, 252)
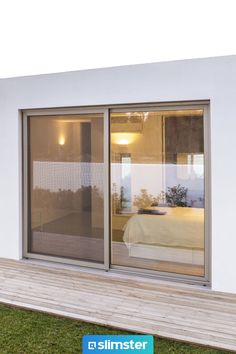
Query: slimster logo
point(110, 345)
point(118, 344)
point(92, 345)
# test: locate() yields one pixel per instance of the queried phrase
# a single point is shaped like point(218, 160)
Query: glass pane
point(66, 186)
point(157, 182)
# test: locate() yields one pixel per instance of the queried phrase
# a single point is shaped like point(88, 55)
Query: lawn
point(28, 332)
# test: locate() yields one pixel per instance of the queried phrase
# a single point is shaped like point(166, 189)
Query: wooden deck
point(181, 312)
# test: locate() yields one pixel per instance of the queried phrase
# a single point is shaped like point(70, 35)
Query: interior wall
point(59, 145)
point(204, 79)
point(146, 153)
point(145, 145)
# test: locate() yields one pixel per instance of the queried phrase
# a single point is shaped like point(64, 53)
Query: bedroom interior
point(157, 177)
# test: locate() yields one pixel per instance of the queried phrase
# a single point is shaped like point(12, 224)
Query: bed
point(177, 236)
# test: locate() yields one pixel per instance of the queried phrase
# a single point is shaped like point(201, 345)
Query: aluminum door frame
point(26, 178)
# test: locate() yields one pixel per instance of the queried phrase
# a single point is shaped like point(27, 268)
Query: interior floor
point(69, 237)
point(120, 256)
point(74, 223)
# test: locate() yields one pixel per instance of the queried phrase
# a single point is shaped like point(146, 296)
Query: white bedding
point(180, 227)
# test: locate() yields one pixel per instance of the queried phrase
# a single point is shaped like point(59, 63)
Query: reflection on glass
point(157, 179)
point(66, 191)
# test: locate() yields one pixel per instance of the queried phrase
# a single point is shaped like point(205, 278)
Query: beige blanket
point(180, 227)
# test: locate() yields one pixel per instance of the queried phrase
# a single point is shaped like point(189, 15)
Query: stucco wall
point(213, 79)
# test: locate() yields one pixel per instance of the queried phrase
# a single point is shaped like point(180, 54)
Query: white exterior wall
point(201, 79)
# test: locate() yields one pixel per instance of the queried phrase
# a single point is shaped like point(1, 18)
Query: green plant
point(176, 196)
point(144, 200)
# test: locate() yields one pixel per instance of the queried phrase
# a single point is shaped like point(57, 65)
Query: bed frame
point(171, 254)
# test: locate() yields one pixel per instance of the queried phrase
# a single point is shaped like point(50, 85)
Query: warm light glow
point(61, 140)
point(124, 138)
point(123, 142)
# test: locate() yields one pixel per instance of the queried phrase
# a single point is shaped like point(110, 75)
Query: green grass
point(28, 332)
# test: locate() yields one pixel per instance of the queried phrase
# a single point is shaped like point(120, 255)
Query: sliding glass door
point(118, 188)
point(66, 186)
point(157, 190)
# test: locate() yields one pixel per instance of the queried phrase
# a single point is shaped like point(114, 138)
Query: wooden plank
point(127, 302)
point(184, 298)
